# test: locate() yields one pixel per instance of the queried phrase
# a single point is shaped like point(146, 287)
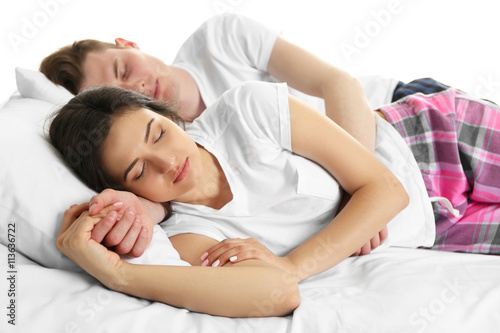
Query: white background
point(454, 41)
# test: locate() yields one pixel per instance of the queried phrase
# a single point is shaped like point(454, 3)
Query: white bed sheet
point(392, 290)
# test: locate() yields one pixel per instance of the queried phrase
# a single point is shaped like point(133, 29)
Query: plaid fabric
point(424, 86)
point(456, 142)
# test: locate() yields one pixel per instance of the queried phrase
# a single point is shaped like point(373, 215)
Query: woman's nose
point(166, 162)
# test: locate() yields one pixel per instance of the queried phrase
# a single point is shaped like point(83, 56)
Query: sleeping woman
point(255, 166)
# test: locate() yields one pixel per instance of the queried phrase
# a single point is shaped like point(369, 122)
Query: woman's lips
point(182, 172)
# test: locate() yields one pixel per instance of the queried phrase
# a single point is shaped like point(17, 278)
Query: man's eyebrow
point(146, 137)
point(115, 68)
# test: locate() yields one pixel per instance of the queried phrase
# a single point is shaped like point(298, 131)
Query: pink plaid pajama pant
point(455, 139)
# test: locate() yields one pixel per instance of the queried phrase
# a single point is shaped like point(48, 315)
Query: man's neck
point(191, 104)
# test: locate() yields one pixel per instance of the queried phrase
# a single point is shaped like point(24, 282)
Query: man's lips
point(182, 171)
point(155, 90)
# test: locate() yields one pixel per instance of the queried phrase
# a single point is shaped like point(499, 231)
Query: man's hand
point(132, 230)
point(373, 243)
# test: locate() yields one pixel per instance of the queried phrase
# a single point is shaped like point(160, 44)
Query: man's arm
point(345, 100)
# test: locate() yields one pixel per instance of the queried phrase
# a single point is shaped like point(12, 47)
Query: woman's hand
point(373, 243)
point(128, 234)
point(75, 241)
point(236, 250)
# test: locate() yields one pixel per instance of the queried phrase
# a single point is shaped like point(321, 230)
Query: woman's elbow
point(293, 300)
point(281, 300)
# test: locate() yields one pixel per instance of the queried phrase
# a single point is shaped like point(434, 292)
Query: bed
point(394, 289)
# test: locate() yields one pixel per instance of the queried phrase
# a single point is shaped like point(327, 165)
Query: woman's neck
point(191, 103)
point(213, 188)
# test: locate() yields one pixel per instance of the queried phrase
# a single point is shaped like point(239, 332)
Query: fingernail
point(138, 220)
point(117, 204)
point(204, 256)
point(233, 258)
point(92, 206)
point(205, 263)
point(215, 264)
point(131, 211)
point(74, 205)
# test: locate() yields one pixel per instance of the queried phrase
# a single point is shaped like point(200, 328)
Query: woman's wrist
point(117, 278)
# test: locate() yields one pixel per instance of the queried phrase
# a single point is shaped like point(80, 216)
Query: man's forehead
point(98, 68)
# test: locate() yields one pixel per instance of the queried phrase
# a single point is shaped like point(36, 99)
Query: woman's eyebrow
point(146, 137)
point(148, 129)
point(129, 168)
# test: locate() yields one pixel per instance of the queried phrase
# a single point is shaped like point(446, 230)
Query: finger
point(71, 214)
point(236, 257)
point(217, 248)
point(142, 243)
point(384, 233)
point(76, 237)
point(241, 252)
point(108, 197)
point(366, 249)
point(116, 235)
point(375, 241)
point(355, 254)
point(103, 227)
point(130, 238)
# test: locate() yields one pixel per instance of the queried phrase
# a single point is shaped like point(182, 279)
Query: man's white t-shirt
point(230, 49)
point(281, 198)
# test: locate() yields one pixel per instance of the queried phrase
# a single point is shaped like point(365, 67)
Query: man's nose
point(137, 85)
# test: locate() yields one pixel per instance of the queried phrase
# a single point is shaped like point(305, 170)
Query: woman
point(211, 186)
point(237, 146)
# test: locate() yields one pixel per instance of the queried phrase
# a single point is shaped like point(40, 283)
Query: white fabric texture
point(229, 49)
point(280, 198)
point(34, 84)
point(389, 291)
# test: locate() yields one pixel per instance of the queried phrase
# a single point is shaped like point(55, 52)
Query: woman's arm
point(376, 194)
point(250, 289)
point(345, 100)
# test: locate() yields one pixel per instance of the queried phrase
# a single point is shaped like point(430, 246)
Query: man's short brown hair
point(65, 66)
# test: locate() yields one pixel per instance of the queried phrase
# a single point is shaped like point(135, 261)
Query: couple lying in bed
point(254, 164)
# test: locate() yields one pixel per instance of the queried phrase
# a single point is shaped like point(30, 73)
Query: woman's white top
point(280, 198)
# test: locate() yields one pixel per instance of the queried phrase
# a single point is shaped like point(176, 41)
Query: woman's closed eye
point(143, 169)
point(160, 135)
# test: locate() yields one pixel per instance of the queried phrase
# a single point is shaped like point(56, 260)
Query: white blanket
point(393, 290)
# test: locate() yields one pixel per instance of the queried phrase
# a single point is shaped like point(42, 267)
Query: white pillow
point(37, 187)
point(34, 84)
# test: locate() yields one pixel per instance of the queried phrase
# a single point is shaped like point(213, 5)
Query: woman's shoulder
point(254, 107)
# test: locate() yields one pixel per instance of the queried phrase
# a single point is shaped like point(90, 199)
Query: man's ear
point(125, 43)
